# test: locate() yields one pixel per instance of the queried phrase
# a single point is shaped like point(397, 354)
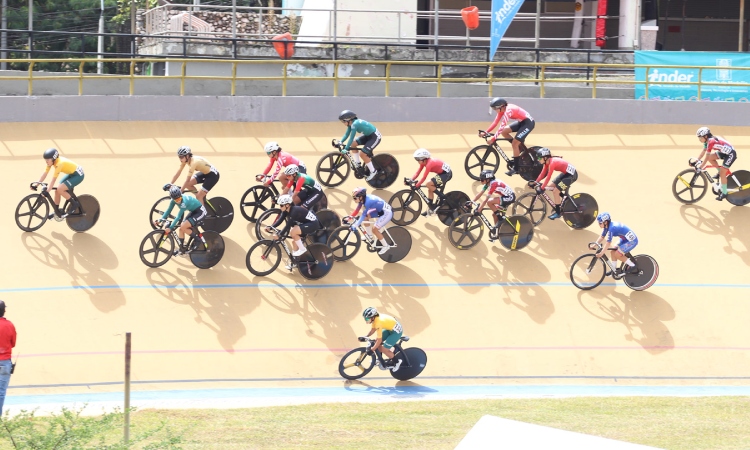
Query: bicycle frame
point(397, 350)
point(610, 272)
point(704, 172)
point(188, 244)
point(516, 227)
point(370, 239)
point(438, 192)
point(46, 194)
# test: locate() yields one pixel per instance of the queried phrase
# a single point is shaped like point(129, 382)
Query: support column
point(628, 24)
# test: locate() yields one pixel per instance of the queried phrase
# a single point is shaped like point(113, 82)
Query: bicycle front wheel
point(466, 231)
point(531, 206)
point(406, 205)
point(263, 257)
point(482, 157)
point(689, 186)
point(156, 248)
point(332, 169)
point(266, 220)
point(344, 243)
point(588, 272)
point(356, 364)
point(255, 201)
point(32, 212)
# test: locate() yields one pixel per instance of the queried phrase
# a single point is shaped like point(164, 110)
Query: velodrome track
point(485, 316)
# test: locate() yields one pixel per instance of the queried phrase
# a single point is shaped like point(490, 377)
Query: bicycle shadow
point(531, 298)
point(703, 220)
point(735, 222)
point(234, 255)
point(218, 308)
point(566, 249)
point(642, 313)
point(401, 390)
point(88, 251)
point(339, 200)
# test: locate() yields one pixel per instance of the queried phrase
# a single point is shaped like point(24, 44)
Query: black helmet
point(498, 102)
point(486, 175)
point(543, 153)
point(51, 153)
point(347, 115)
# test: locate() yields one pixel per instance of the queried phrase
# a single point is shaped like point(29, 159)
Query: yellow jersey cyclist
point(389, 332)
point(192, 210)
point(200, 171)
point(72, 175)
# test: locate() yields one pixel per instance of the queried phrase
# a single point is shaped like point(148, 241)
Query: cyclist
point(299, 221)
point(304, 189)
point(498, 204)
point(724, 151)
point(72, 177)
point(282, 160)
point(511, 118)
point(628, 241)
point(200, 171)
point(195, 212)
point(373, 206)
point(389, 332)
point(436, 184)
point(560, 185)
point(369, 139)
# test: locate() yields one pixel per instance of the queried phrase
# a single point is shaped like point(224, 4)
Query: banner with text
point(721, 71)
point(503, 12)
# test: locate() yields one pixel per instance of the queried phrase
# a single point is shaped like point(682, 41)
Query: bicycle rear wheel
point(329, 221)
point(263, 257)
point(515, 232)
point(689, 186)
point(740, 196)
point(479, 158)
point(316, 262)
point(332, 169)
point(414, 362)
point(344, 243)
point(32, 212)
point(255, 201)
point(356, 364)
point(579, 210)
point(452, 207)
point(465, 231)
point(210, 255)
point(648, 272)
point(156, 248)
point(220, 214)
point(531, 206)
point(406, 206)
point(388, 171)
point(266, 219)
point(588, 272)
point(85, 216)
point(400, 242)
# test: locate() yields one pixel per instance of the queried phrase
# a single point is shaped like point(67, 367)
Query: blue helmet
point(603, 217)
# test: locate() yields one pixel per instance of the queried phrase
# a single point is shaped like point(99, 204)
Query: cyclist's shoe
point(512, 171)
point(384, 249)
point(299, 252)
point(180, 251)
point(717, 176)
point(381, 366)
point(721, 196)
point(73, 208)
point(631, 269)
point(54, 216)
point(430, 210)
point(372, 175)
point(393, 365)
point(554, 215)
point(291, 266)
point(493, 234)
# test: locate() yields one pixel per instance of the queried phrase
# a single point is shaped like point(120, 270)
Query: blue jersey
point(188, 203)
point(358, 126)
point(373, 207)
point(619, 230)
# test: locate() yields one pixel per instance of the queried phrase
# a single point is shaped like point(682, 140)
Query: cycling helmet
point(358, 192)
point(285, 199)
point(703, 132)
point(184, 151)
point(175, 192)
point(421, 154)
point(51, 153)
point(271, 147)
point(603, 217)
point(486, 175)
point(543, 153)
point(369, 313)
point(291, 170)
point(498, 102)
point(347, 115)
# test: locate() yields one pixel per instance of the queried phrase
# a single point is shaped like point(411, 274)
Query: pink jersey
point(555, 164)
point(500, 188)
point(433, 165)
point(719, 144)
point(512, 112)
point(283, 159)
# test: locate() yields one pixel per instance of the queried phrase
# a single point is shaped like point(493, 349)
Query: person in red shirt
point(717, 148)
point(437, 183)
point(511, 118)
point(281, 159)
point(568, 175)
point(7, 342)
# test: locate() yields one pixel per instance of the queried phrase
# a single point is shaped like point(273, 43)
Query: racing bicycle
point(588, 271)
point(691, 185)
point(407, 204)
point(265, 256)
point(33, 210)
point(360, 361)
point(487, 157)
point(514, 232)
point(578, 210)
point(345, 243)
point(334, 168)
point(159, 246)
point(219, 212)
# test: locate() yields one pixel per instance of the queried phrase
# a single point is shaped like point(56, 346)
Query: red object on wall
point(470, 16)
point(284, 45)
point(601, 24)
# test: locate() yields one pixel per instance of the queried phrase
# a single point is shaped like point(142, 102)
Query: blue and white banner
point(720, 72)
point(503, 12)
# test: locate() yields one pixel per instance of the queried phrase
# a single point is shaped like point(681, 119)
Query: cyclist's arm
point(300, 183)
point(419, 169)
point(351, 132)
point(544, 171)
point(371, 331)
point(268, 168)
point(177, 220)
point(494, 123)
point(280, 219)
point(177, 175)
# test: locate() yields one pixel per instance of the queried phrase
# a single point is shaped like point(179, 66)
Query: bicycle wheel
point(400, 242)
point(356, 364)
point(588, 272)
point(255, 201)
point(332, 169)
point(531, 206)
point(648, 272)
point(156, 248)
point(579, 210)
point(329, 221)
point(406, 206)
point(414, 362)
point(515, 232)
point(689, 186)
point(316, 262)
point(528, 166)
point(344, 243)
point(210, 255)
point(452, 207)
point(266, 220)
point(85, 216)
point(32, 212)
point(387, 166)
point(739, 194)
point(465, 231)
point(220, 214)
point(263, 257)
point(482, 157)
point(157, 211)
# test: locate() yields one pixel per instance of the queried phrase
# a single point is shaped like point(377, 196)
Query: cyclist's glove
point(353, 227)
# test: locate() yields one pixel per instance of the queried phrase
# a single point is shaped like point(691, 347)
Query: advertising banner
point(720, 72)
point(503, 12)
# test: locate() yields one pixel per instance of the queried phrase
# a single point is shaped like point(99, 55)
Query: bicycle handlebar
point(35, 184)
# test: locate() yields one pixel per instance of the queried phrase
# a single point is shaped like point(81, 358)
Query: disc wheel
point(210, 255)
point(316, 263)
point(739, 194)
point(387, 167)
point(465, 231)
point(406, 206)
point(330, 221)
point(400, 241)
point(220, 214)
point(515, 232)
point(689, 186)
point(85, 216)
point(480, 158)
point(156, 248)
point(645, 277)
point(415, 360)
point(452, 206)
point(356, 364)
point(255, 201)
point(263, 257)
point(531, 206)
point(587, 272)
point(332, 169)
point(32, 212)
point(580, 210)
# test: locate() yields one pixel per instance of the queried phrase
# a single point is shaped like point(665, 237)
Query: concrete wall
point(324, 109)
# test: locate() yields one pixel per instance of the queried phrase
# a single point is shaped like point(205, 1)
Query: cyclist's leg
point(300, 197)
point(625, 248)
point(494, 203)
point(207, 181)
point(368, 147)
point(390, 338)
point(724, 169)
point(296, 234)
point(312, 197)
point(354, 149)
point(381, 222)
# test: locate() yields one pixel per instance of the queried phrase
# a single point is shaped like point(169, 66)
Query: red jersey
point(512, 112)
point(555, 164)
point(497, 186)
point(283, 159)
point(7, 338)
point(719, 144)
point(433, 165)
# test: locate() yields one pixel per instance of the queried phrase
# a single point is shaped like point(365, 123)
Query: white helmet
point(284, 200)
point(703, 132)
point(271, 147)
point(421, 154)
point(291, 169)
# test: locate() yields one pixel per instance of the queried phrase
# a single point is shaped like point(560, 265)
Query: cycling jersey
point(296, 215)
point(719, 144)
point(433, 165)
point(512, 112)
point(617, 229)
point(357, 126)
point(65, 166)
point(555, 164)
point(304, 181)
point(198, 163)
point(189, 203)
point(282, 159)
point(385, 322)
point(498, 187)
point(373, 207)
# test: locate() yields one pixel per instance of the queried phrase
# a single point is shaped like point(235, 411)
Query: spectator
point(7, 342)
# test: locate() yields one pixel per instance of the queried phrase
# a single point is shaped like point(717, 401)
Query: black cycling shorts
point(522, 129)
point(368, 143)
point(564, 180)
point(207, 180)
